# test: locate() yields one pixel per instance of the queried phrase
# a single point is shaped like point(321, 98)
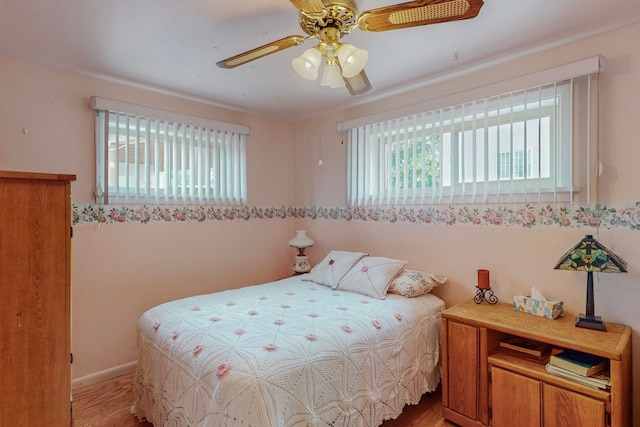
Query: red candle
point(483, 279)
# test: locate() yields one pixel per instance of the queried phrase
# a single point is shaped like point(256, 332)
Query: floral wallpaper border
point(528, 216)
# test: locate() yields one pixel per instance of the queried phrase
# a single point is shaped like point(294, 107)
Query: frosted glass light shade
point(352, 60)
point(331, 75)
point(307, 64)
point(301, 240)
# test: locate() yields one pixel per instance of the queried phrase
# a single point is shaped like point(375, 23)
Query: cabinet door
point(515, 400)
point(34, 349)
point(463, 369)
point(563, 408)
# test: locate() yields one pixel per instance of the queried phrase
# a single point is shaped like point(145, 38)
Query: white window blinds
point(524, 146)
point(154, 156)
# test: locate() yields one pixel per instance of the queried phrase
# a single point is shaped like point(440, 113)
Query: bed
point(302, 351)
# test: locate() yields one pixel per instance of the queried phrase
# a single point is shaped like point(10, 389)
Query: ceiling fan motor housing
point(341, 15)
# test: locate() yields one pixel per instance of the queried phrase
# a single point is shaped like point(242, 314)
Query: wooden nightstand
point(485, 384)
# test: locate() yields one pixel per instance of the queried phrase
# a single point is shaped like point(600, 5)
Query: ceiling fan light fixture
point(330, 20)
point(308, 64)
point(331, 75)
point(352, 59)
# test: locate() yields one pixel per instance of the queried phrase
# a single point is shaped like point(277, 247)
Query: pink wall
point(47, 126)
point(518, 258)
point(120, 270)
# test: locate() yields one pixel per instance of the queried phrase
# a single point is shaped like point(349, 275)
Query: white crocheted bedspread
point(286, 353)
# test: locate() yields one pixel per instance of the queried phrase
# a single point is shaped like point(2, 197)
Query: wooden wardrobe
point(35, 315)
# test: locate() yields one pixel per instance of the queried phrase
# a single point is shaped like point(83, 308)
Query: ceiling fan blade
point(358, 84)
point(309, 6)
point(261, 51)
point(415, 13)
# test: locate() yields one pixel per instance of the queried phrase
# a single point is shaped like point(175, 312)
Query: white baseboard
point(107, 374)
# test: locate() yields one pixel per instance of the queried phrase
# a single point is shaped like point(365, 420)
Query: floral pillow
point(413, 283)
point(371, 276)
point(333, 267)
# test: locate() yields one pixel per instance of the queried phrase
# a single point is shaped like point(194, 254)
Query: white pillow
point(371, 276)
point(333, 267)
point(413, 283)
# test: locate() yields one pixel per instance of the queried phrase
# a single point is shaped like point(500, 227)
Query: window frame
point(199, 161)
point(560, 185)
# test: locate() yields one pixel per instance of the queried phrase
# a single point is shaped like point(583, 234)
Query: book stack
point(583, 368)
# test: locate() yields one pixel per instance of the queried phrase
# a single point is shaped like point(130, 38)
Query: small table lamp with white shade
point(301, 241)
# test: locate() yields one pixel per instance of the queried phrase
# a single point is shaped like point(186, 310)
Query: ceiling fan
point(330, 20)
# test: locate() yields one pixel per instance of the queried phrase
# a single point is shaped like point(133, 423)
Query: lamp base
point(590, 322)
point(302, 264)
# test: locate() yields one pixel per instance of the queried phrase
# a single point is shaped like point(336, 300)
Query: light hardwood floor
point(108, 404)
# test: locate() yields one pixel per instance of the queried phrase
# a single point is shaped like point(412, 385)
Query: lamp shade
point(352, 59)
point(331, 75)
point(308, 64)
point(591, 255)
point(301, 240)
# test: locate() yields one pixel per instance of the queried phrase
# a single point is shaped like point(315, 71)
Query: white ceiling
point(173, 45)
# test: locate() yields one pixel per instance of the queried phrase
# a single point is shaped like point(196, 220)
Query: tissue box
point(551, 309)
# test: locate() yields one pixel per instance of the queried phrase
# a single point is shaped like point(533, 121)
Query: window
point(153, 156)
point(529, 145)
